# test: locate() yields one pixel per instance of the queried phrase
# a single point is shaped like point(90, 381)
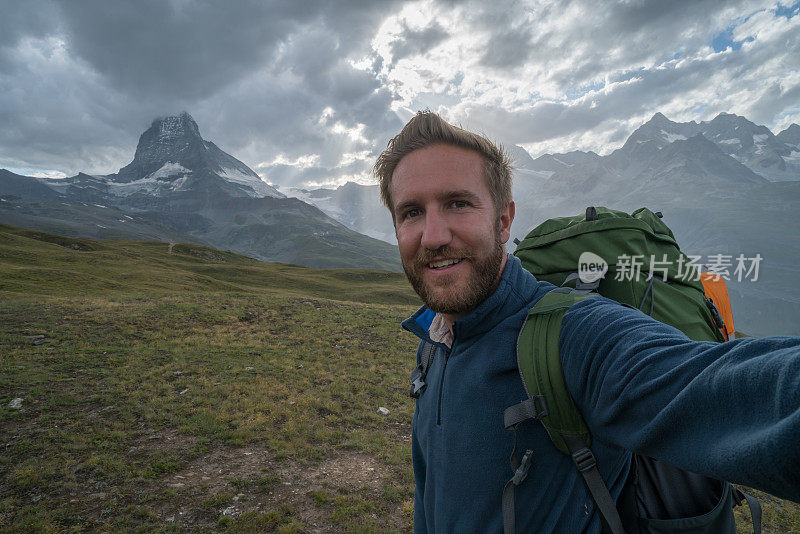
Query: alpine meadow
point(180, 388)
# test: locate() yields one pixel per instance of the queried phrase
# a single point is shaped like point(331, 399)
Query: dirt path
point(264, 483)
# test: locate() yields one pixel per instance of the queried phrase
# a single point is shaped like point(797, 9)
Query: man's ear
point(506, 218)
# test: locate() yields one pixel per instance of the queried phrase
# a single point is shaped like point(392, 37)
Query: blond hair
point(426, 129)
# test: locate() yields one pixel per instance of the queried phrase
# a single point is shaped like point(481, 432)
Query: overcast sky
point(308, 93)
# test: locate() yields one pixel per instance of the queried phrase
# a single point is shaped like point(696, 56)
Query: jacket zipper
point(441, 389)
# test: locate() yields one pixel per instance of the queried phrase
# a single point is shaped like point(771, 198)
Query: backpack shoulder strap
point(540, 367)
point(417, 377)
point(539, 364)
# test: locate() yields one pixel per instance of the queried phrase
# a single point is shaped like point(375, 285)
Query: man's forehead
point(439, 172)
point(438, 163)
point(441, 154)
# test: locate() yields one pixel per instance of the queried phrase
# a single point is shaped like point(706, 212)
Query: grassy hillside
point(180, 388)
point(198, 390)
point(270, 229)
point(35, 263)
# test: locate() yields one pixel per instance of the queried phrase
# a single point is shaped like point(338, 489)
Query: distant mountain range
point(356, 206)
point(180, 187)
point(726, 186)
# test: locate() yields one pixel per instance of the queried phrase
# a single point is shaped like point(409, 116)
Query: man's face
point(450, 237)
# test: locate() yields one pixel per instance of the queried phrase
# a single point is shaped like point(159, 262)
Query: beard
point(479, 286)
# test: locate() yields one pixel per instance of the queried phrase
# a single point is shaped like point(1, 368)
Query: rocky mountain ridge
point(172, 156)
point(775, 157)
point(181, 187)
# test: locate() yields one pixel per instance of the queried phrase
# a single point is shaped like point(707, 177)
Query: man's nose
point(436, 233)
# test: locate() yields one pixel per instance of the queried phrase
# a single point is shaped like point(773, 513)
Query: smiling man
point(730, 411)
point(449, 230)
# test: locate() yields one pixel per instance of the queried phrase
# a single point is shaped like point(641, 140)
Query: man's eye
point(410, 214)
point(459, 204)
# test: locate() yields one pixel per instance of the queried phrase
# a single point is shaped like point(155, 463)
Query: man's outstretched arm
point(727, 410)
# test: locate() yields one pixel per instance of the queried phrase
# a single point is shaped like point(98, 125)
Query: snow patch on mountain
point(672, 137)
point(148, 185)
point(563, 162)
point(180, 183)
point(154, 183)
point(171, 128)
point(260, 187)
point(168, 169)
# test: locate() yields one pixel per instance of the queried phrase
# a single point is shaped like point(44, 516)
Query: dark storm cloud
point(22, 18)
point(79, 81)
point(311, 77)
point(158, 48)
point(294, 81)
point(509, 49)
point(194, 47)
point(509, 33)
point(412, 42)
point(318, 55)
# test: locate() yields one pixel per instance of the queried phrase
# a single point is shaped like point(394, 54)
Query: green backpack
point(658, 498)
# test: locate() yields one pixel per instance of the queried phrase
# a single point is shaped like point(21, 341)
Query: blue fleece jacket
point(730, 410)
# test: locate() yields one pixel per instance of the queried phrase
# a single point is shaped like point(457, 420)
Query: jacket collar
point(515, 290)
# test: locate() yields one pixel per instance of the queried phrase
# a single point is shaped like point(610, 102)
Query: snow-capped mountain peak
point(776, 158)
point(172, 156)
point(661, 131)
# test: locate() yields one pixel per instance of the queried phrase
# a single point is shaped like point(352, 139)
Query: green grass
point(196, 390)
point(156, 365)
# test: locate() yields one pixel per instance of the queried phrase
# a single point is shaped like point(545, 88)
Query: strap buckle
point(524, 466)
point(532, 408)
point(418, 384)
point(584, 460)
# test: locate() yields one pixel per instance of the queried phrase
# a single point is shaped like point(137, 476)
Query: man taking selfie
point(730, 411)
